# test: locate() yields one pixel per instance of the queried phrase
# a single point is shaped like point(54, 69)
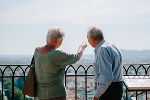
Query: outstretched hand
point(83, 45)
point(81, 49)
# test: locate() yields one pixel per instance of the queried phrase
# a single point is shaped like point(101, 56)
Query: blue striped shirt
point(107, 66)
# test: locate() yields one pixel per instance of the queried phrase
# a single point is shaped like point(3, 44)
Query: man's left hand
point(95, 98)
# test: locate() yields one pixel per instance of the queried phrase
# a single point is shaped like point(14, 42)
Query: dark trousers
point(114, 92)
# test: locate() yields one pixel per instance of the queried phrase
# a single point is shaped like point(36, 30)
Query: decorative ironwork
point(16, 71)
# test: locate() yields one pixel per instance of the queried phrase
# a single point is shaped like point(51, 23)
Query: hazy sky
point(24, 23)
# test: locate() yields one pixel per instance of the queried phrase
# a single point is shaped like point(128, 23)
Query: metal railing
point(137, 70)
point(85, 72)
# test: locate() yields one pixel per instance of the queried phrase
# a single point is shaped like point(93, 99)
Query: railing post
point(13, 87)
point(2, 86)
point(86, 84)
point(126, 93)
point(146, 95)
point(75, 85)
point(136, 95)
point(24, 82)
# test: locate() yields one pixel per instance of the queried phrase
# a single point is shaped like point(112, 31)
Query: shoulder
point(107, 46)
point(58, 52)
point(36, 51)
point(105, 49)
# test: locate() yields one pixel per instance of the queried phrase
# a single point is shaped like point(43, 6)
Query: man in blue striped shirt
point(107, 67)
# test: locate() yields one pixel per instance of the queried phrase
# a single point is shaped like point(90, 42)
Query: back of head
point(95, 33)
point(54, 33)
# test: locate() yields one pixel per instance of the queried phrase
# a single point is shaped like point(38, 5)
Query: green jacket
point(50, 71)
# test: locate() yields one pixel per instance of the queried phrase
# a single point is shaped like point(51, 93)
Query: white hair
point(53, 33)
point(95, 33)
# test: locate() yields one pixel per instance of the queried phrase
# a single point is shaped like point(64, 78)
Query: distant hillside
point(142, 54)
point(15, 59)
point(136, 56)
point(129, 57)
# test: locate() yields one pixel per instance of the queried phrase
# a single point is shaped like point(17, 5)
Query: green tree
point(8, 88)
point(1, 96)
point(18, 94)
point(7, 82)
point(19, 83)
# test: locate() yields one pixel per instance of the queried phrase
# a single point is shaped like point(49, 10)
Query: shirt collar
point(99, 45)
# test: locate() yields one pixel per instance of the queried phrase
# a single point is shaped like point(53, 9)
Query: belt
point(112, 83)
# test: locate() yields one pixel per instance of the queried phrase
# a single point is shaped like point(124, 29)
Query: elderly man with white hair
point(50, 66)
point(107, 67)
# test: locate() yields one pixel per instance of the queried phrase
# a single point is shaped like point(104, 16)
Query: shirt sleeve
point(105, 75)
point(64, 59)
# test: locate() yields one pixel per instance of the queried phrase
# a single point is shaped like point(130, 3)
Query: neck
point(49, 47)
point(97, 42)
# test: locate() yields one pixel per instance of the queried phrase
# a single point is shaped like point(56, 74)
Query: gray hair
point(53, 33)
point(95, 33)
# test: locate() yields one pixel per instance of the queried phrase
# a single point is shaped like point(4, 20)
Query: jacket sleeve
point(64, 59)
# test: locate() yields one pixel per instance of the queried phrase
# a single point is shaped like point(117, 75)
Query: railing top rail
point(16, 65)
point(81, 64)
point(136, 64)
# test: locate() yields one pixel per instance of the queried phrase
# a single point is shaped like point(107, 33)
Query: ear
point(93, 40)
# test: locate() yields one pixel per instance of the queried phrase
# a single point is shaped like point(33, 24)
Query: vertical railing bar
point(145, 70)
point(2, 85)
point(86, 84)
point(126, 94)
point(146, 96)
point(24, 74)
point(136, 70)
point(13, 86)
point(136, 95)
point(75, 84)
